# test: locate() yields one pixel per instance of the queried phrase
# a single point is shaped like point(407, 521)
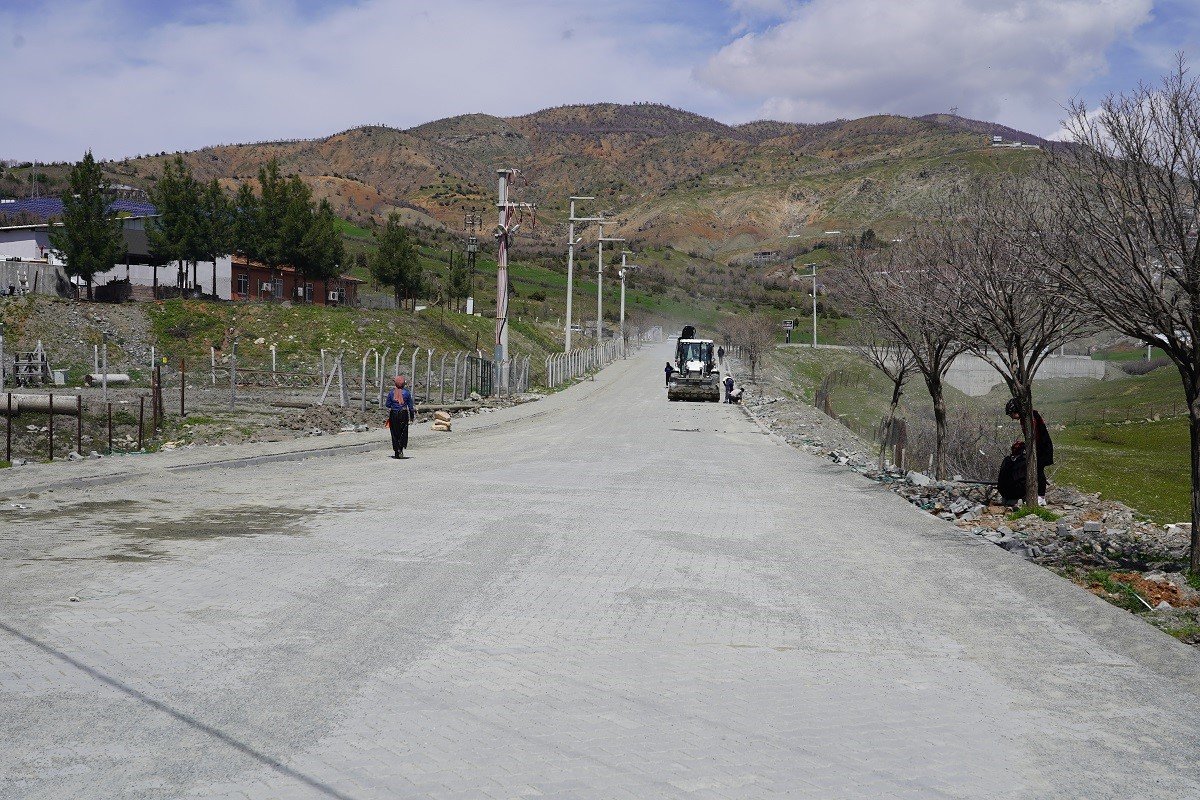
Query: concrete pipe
point(114, 379)
point(39, 404)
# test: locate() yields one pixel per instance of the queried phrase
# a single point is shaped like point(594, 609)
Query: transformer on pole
point(506, 230)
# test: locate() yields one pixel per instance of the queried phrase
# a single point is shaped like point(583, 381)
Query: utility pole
point(505, 231)
point(813, 275)
point(624, 269)
point(600, 280)
point(571, 242)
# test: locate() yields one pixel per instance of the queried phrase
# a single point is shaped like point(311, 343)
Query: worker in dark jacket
point(1011, 480)
point(400, 408)
point(670, 370)
point(1041, 438)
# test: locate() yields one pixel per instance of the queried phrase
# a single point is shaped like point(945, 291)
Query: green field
point(1143, 464)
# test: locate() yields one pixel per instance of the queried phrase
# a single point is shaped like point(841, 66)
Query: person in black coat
point(1011, 480)
point(669, 369)
point(1041, 438)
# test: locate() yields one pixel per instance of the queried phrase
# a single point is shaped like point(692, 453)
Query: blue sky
point(125, 77)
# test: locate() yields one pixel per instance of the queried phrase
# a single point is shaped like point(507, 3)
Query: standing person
point(400, 411)
point(721, 354)
point(670, 370)
point(728, 387)
point(1041, 440)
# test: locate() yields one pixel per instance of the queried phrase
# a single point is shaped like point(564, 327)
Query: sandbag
point(444, 416)
point(444, 427)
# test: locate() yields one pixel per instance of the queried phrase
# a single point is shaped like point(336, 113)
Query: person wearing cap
point(400, 408)
point(1041, 439)
point(728, 388)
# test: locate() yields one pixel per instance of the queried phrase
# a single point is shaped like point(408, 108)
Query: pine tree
point(175, 235)
point(90, 239)
point(322, 251)
point(394, 264)
point(216, 227)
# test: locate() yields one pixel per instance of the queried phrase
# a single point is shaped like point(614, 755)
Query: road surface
point(599, 595)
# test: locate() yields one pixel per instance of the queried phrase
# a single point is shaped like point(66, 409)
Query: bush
point(1144, 367)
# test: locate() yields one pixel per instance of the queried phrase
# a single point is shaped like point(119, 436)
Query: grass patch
point(1144, 465)
point(1030, 511)
point(1187, 632)
point(1102, 583)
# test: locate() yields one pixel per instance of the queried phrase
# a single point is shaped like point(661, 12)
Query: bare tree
point(1130, 194)
point(905, 296)
point(1009, 308)
point(894, 360)
point(754, 333)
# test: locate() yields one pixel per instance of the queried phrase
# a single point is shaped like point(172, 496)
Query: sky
point(127, 77)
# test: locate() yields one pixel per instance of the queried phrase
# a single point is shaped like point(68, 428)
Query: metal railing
point(562, 367)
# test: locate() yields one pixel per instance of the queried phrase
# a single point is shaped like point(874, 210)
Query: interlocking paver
point(580, 602)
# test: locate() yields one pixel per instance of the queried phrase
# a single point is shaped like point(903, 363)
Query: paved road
point(608, 596)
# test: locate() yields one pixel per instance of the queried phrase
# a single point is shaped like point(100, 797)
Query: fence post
point(79, 424)
point(412, 369)
point(212, 359)
point(183, 385)
point(110, 449)
point(50, 427)
point(8, 432)
point(141, 419)
point(442, 380)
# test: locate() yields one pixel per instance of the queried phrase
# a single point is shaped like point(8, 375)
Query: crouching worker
point(1011, 480)
point(735, 396)
point(400, 411)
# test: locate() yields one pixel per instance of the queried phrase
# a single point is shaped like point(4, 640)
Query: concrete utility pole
point(505, 231)
point(813, 275)
point(600, 280)
point(624, 269)
point(571, 242)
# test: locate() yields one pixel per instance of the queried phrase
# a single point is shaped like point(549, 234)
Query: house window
point(278, 288)
point(308, 289)
point(243, 286)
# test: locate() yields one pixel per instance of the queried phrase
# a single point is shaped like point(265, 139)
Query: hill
point(675, 178)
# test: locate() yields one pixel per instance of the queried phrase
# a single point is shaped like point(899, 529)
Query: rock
point(73, 599)
point(918, 479)
point(346, 429)
point(73, 456)
point(1092, 527)
point(1156, 576)
point(1163, 605)
point(94, 454)
point(361, 428)
point(260, 340)
point(475, 397)
point(1004, 530)
point(19, 462)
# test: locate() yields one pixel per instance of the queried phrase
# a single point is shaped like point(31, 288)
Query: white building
point(31, 244)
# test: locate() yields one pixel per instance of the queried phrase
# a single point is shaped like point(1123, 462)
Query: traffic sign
point(789, 324)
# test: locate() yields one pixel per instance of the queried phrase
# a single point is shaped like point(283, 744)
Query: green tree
point(174, 235)
point(245, 222)
point(458, 283)
point(216, 227)
point(90, 239)
point(321, 250)
point(394, 264)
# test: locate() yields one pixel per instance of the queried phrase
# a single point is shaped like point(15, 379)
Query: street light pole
point(813, 275)
point(624, 269)
point(571, 242)
point(600, 281)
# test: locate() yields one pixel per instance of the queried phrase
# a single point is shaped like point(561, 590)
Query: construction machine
point(697, 375)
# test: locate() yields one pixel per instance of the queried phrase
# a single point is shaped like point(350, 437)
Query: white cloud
point(94, 78)
point(1017, 62)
